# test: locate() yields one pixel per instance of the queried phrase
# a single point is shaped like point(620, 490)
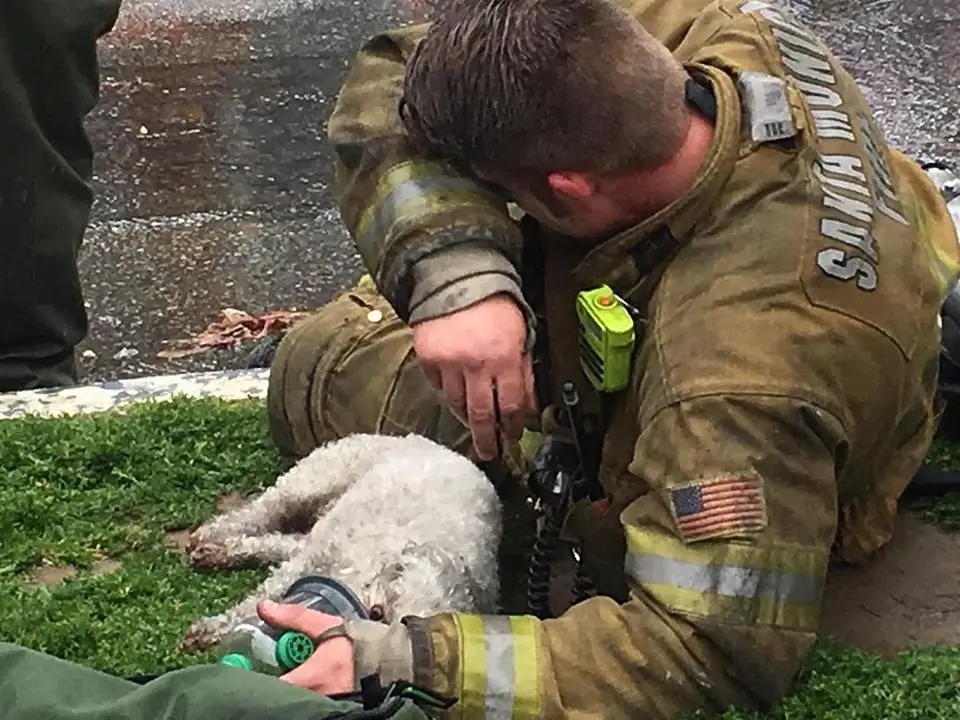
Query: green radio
point(607, 339)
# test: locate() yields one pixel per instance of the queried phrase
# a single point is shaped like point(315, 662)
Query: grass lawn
point(106, 495)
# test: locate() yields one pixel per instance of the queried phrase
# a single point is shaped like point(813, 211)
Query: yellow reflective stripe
point(409, 191)
point(526, 669)
point(947, 269)
point(499, 674)
point(732, 582)
point(787, 558)
point(946, 264)
point(473, 666)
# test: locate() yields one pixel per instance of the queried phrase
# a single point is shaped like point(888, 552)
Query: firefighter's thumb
point(296, 617)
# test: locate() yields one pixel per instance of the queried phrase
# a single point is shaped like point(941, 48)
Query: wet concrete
point(213, 179)
point(906, 56)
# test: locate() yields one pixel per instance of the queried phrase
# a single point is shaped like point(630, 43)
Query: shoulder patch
point(766, 107)
point(727, 506)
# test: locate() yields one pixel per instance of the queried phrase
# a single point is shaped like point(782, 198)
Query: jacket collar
point(624, 260)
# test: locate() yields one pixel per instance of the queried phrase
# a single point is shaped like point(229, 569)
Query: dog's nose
point(376, 613)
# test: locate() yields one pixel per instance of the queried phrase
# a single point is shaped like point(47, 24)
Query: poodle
point(412, 527)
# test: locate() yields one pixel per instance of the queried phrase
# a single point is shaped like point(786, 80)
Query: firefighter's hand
point(330, 670)
point(476, 357)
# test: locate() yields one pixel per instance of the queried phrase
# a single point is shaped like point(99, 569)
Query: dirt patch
point(104, 566)
point(49, 576)
point(177, 539)
point(905, 597)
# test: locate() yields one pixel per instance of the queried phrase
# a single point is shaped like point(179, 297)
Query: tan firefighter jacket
point(782, 393)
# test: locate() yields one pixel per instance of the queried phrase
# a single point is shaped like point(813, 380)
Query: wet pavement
point(213, 178)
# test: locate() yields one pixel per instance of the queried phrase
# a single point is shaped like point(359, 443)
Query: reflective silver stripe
point(396, 207)
point(501, 681)
point(729, 580)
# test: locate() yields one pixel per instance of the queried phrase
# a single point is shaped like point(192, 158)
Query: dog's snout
point(377, 613)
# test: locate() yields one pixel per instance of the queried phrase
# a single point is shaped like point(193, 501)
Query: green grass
point(840, 683)
point(113, 485)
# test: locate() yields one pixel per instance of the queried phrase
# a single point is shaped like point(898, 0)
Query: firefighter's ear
point(572, 184)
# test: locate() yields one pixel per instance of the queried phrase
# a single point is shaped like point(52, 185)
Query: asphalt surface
point(213, 178)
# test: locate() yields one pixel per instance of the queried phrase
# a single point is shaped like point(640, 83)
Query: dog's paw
point(201, 636)
point(207, 555)
point(193, 539)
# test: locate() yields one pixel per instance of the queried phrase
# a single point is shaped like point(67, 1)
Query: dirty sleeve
point(727, 548)
point(435, 239)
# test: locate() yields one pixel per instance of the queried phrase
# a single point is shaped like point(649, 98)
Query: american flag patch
point(721, 507)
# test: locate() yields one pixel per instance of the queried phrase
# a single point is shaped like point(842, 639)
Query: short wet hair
point(527, 87)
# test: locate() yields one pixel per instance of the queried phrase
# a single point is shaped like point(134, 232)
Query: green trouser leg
point(49, 81)
point(34, 686)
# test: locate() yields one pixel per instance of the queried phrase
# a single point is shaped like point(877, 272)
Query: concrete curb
point(84, 399)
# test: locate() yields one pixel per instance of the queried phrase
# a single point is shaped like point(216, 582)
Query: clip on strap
point(373, 694)
point(702, 98)
point(419, 696)
point(336, 631)
point(661, 245)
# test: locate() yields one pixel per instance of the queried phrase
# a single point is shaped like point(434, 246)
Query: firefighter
point(716, 169)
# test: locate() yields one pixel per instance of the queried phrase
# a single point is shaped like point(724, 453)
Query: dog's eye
point(376, 613)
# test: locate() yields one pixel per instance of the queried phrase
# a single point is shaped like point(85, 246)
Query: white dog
point(411, 527)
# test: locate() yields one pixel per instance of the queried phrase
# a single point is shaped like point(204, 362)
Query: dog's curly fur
point(409, 525)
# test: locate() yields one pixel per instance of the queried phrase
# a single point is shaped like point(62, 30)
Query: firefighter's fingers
point(296, 617)
point(529, 384)
point(512, 402)
point(454, 391)
point(482, 413)
point(330, 669)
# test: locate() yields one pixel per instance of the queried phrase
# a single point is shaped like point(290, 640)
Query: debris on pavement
point(232, 328)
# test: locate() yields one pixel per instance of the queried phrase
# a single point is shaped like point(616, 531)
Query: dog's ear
point(393, 571)
point(384, 594)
